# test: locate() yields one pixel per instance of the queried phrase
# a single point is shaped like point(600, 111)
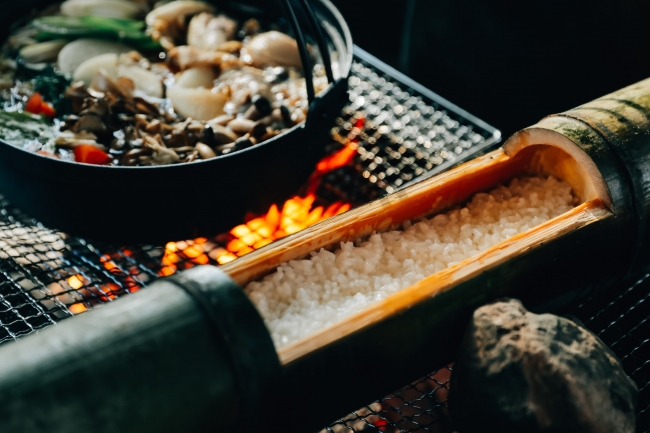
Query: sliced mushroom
point(223, 135)
point(123, 9)
point(209, 32)
point(205, 151)
point(161, 155)
point(272, 49)
point(185, 56)
point(90, 123)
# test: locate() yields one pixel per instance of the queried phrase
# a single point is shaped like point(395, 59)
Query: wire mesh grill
point(619, 315)
point(418, 407)
point(47, 275)
point(396, 131)
point(399, 133)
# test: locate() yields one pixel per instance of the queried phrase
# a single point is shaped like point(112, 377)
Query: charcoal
point(522, 372)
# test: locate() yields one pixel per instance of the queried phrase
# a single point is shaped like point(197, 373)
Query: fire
point(294, 215)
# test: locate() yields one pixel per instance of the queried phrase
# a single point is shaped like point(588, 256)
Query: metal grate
point(47, 276)
point(418, 407)
point(620, 316)
point(400, 131)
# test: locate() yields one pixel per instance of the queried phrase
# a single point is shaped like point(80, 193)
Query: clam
point(77, 52)
point(107, 63)
point(43, 51)
point(209, 32)
point(144, 80)
point(176, 9)
point(272, 49)
point(123, 9)
point(185, 57)
point(193, 95)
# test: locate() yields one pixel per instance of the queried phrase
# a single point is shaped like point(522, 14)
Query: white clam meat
point(107, 63)
point(77, 52)
point(194, 96)
point(176, 9)
point(124, 9)
point(144, 80)
point(272, 49)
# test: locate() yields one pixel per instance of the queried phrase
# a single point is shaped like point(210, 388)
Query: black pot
point(138, 204)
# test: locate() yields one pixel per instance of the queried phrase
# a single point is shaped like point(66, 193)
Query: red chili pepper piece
point(48, 110)
point(36, 105)
point(89, 154)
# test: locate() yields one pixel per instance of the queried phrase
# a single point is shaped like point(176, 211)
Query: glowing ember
point(75, 282)
point(296, 214)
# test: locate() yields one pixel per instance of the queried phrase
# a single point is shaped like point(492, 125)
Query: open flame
point(294, 215)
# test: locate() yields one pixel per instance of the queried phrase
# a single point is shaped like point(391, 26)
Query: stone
point(522, 372)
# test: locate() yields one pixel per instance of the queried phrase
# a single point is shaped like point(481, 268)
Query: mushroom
point(272, 49)
point(194, 96)
point(185, 56)
point(205, 151)
point(90, 123)
point(209, 32)
point(161, 155)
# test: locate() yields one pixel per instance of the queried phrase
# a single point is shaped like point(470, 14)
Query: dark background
point(509, 62)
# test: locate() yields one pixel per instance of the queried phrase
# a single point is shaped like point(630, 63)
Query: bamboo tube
point(400, 338)
point(192, 352)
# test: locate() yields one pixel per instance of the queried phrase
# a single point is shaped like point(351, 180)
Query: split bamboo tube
point(191, 354)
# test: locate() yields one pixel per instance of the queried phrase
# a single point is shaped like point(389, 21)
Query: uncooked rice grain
point(305, 296)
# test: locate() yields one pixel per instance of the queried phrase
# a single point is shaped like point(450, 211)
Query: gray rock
point(522, 372)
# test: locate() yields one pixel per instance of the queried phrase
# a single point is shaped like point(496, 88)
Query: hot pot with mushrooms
point(164, 119)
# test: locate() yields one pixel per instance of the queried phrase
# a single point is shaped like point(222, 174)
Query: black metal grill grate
point(47, 276)
point(418, 407)
point(619, 315)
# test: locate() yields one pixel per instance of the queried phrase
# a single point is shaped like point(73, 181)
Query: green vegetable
point(20, 128)
point(130, 32)
point(52, 86)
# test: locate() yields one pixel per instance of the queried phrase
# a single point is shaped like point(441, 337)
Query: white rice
point(305, 296)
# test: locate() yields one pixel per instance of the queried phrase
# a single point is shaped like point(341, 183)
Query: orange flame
point(295, 215)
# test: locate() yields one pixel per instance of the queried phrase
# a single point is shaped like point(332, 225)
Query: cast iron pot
point(153, 204)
